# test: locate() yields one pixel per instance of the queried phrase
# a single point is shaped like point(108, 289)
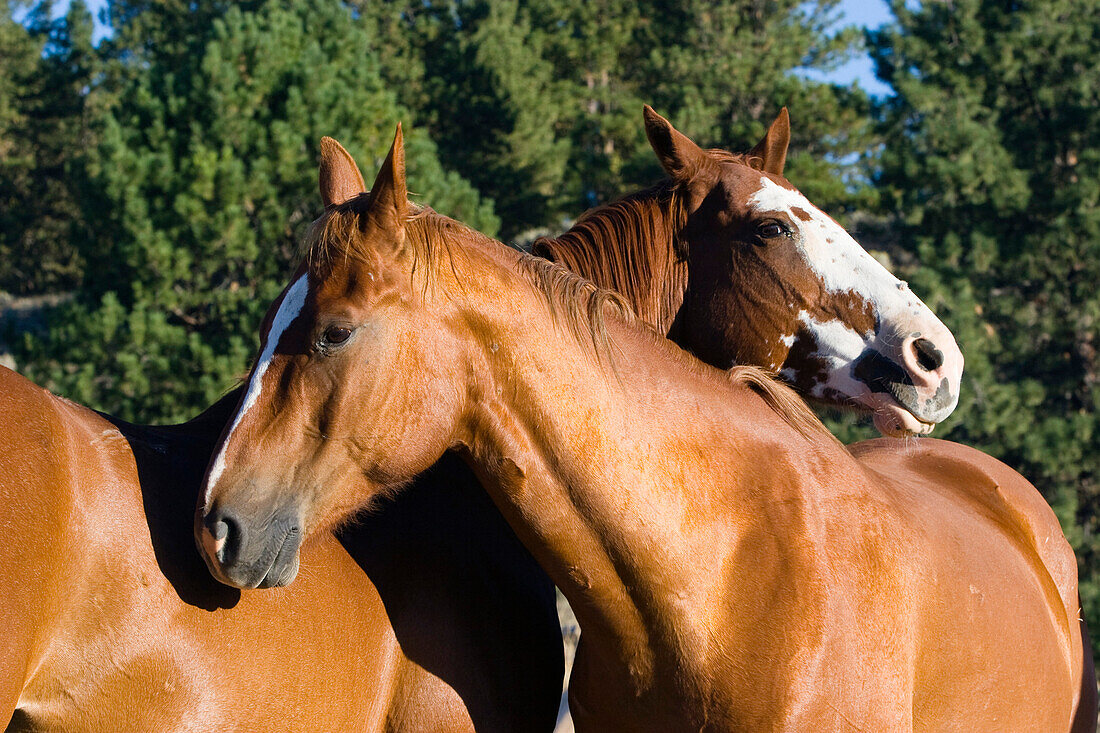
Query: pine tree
point(18, 53)
point(538, 102)
point(205, 179)
point(474, 74)
point(45, 71)
point(993, 167)
point(724, 68)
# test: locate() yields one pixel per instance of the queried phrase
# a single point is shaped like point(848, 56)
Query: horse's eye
point(770, 230)
point(335, 335)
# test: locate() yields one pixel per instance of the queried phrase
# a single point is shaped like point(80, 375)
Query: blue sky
point(867, 13)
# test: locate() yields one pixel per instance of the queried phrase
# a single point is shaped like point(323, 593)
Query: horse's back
point(996, 569)
point(36, 498)
point(994, 489)
point(111, 622)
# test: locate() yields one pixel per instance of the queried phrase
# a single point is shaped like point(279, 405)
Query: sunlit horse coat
point(733, 567)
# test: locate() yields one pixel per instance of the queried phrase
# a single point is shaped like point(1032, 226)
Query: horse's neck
point(629, 246)
point(622, 485)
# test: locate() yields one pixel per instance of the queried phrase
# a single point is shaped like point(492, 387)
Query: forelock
point(340, 235)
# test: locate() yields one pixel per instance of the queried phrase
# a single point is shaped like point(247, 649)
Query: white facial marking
point(288, 311)
point(838, 346)
point(833, 255)
point(842, 266)
point(787, 341)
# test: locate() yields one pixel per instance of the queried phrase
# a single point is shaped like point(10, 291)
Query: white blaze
point(843, 266)
point(835, 257)
point(288, 311)
point(838, 346)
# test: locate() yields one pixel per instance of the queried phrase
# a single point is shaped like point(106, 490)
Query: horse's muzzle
point(246, 556)
point(918, 384)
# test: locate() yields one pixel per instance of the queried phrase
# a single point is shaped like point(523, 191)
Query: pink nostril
point(220, 532)
point(929, 358)
point(217, 539)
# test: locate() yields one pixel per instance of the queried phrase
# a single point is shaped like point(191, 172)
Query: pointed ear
point(680, 157)
point(389, 197)
point(772, 149)
point(339, 176)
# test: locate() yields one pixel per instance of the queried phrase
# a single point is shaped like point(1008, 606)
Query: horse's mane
point(784, 401)
point(574, 302)
point(431, 238)
point(634, 246)
point(630, 246)
point(339, 234)
point(725, 156)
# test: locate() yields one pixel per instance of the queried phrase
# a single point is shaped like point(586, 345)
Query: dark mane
point(633, 246)
point(630, 246)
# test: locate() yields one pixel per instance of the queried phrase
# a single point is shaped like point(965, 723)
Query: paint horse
point(410, 619)
point(726, 250)
point(732, 566)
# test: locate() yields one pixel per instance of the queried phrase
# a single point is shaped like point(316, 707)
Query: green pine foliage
point(204, 178)
point(19, 53)
point(992, 166)
point(44, 69)
point(538, 102)
point(723, 69)
point(474, 76)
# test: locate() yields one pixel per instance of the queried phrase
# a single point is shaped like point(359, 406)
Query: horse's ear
point(339, 176)
point(771, 151)
point(681, 158)
point(389, 197)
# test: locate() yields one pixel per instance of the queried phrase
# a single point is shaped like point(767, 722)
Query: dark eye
point(336, 335)
point(770, 230)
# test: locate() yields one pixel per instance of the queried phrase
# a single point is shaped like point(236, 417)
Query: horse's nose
point(922, 360)
point(221, 536)
point(928, 357)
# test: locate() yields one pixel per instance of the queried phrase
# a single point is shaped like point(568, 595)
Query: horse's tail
point(1084, 718)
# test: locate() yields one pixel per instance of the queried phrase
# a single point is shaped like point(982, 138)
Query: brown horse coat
point(111, 622)
point(732, 566)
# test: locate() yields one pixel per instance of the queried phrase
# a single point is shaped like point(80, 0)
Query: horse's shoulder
point(55, 443)
point(36, 424)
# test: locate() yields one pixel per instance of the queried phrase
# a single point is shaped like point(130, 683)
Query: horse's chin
point(894, 421)
point(281, 574)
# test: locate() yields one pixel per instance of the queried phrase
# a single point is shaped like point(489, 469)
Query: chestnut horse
point(732, 566)
point(111, 623)
point(119, 627)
